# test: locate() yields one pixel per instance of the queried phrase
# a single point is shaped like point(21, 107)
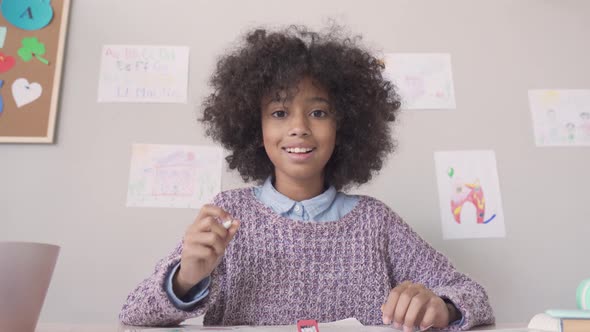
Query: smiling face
point(299, 134)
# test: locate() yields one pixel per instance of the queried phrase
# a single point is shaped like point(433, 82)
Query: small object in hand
point(227, 223)
point(308, 325)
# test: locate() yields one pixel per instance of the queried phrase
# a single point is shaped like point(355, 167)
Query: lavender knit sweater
point(277, 270)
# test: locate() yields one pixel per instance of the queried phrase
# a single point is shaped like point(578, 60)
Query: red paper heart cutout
point(6, 62)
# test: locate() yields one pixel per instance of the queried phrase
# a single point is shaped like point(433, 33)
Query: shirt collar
point(270, 196)
point(282, 204)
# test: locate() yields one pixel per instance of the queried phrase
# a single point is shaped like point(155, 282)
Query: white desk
point(119, 328)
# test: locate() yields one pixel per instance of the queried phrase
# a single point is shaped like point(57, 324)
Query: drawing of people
point(584, 126)
point(571, 132)
point(552, 126)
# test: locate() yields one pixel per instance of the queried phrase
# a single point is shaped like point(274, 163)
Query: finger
point(233, 229)
point(403, 303)
point(202, 252)
point(213, 211)
point(212, 240)
point(389, 307)
point(210, 224)
point(223, 219)
point(192, 241)
point(416, 310)
point(428, 318)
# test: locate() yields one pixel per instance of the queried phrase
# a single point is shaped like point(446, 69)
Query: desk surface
point(119, 328)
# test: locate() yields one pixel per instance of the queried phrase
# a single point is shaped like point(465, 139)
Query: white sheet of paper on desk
point(424, 81)
point(351, 325)
point(177, 176)
point(187, 328)
point(485, 328)
point(290, 328)
point(343, 322)
point(345, 325)
point(143, 74)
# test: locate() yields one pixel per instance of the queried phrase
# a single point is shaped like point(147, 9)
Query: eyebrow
point(308, 100)
point(318, 99)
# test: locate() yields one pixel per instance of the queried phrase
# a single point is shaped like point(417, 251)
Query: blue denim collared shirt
point(327, 206)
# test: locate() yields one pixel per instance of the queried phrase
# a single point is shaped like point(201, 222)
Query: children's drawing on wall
point(177, 176)
point(425, 81)
point(469, 194)
point(561, 117)
point(143, 74)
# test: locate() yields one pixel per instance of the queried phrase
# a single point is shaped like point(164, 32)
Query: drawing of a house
point(174, 175)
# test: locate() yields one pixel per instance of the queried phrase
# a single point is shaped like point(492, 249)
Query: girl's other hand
point(411, 305)
point(203, 247)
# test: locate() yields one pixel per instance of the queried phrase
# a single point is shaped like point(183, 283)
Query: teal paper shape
point(2, 36)
point(27, 14)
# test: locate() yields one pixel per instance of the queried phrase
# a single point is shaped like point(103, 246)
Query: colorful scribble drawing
point(423, 80)
point(467, 192)
point(174, 175)
point(584, 126)
point(561, 117)
point(416, 87)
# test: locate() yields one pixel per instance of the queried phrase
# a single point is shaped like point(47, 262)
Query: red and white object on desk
point(308, 325)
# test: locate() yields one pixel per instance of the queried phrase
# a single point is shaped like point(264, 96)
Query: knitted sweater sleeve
point(415, 260)
point(149, 305)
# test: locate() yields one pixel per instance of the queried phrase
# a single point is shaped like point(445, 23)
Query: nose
point(299, 125)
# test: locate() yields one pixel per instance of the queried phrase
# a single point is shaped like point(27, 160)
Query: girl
point(308, 116)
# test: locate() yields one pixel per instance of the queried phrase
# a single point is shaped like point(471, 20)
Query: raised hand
point(203, 247)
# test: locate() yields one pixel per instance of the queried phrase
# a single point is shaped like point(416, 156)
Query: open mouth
point(299, 151)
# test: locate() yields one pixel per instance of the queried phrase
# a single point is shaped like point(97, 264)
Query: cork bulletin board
point(32, 38)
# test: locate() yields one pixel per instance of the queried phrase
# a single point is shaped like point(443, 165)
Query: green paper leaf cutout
point(25, 54)
point(451, 172)
point(32, 47)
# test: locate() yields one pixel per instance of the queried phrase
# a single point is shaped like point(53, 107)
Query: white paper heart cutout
point(24, 93)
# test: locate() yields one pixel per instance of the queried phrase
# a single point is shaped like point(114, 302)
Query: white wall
point(73, 193)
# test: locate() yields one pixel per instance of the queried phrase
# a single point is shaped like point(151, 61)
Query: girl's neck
point(299, 190)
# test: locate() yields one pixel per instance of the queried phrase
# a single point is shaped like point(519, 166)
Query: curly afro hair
point(271, 62)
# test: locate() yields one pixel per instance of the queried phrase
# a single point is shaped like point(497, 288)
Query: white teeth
point(298, 150)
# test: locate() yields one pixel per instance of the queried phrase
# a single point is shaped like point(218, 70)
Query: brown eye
point(279, 114)
point(318, 114)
